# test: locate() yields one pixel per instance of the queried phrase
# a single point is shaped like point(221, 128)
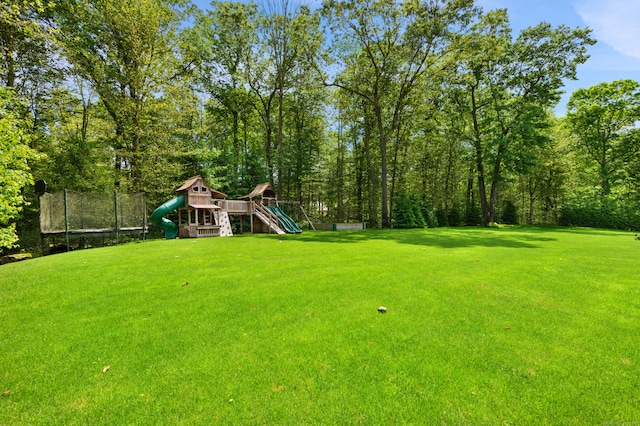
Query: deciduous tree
point(505, 88)
point(15, 173)
point(389, 47)
point(604, 119)
point(127, 50)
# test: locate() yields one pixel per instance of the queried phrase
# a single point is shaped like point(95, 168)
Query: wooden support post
point(305, 215)
point(251, 207)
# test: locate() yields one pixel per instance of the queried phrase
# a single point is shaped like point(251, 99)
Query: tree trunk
point(495, 183)
point(11, 73)
point(469, 195)
point(245, 144)
point(372, 210)
point(448, 177)
point(360, 176)
point(340, 180)
point(383, 166)
point(7, 52)
point(279, 141)
point(532, 200)
point(394, 173)
point(493, 202)
point(482, 190)
point(605, 187)
point(235, 129)
point(268, 143)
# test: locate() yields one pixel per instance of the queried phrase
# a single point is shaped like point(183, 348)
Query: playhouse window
point(195, 189)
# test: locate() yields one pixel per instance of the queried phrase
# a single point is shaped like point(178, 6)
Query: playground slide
point(287, 223)
point(157, 217)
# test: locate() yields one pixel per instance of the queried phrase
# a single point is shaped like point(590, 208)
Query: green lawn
point(517, 325)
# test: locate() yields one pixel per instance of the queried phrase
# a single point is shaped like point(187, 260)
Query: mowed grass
point(518, 325)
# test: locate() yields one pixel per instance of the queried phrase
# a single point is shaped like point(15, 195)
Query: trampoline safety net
point(72, 211)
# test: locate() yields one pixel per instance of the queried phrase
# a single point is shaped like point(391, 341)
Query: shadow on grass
point(515, 237)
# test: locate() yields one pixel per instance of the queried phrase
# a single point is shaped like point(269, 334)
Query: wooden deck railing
point(208, 231)
point(235, 206)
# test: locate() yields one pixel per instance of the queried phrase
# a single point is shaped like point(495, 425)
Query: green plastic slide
point(158, 216)
point(287, 223)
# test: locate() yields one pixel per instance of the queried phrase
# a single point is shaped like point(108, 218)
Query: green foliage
point(75, 142)
point(127, 50)
point(430, 216)
point(600, 215)
point(454, 216)
point(24, 47)
point(509, 214)
point(555, 172)
point(407, 213)
point(442, 217)
point(220, 43)
point(15, 173)
point(431, 219)
point(472, 215)
point(266, 108)
point(450, 217)
point(386, 51)
point(603, 123)
point(604, 120)
point(505, 87)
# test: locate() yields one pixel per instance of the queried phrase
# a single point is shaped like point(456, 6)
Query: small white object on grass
point(382, 309)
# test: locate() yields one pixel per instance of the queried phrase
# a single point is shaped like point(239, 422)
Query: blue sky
point(615, 24)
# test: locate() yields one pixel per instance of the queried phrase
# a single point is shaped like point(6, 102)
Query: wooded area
point(403, 114)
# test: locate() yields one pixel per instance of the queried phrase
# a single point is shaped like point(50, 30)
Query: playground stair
point(268, 218)
point(225, 225)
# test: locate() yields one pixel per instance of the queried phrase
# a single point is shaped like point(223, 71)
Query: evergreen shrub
point(430, 217)
point(454, 217)
point(472, 215)
point(606, 215)
point(407, 213)
point(442, 217)
point(509, 213)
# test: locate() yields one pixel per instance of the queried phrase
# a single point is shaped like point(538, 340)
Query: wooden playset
point(204, 212)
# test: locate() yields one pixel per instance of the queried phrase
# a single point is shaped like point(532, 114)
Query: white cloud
point(614, 22)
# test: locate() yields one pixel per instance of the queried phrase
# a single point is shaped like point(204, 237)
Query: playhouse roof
point(192, 181)
point(263, 189)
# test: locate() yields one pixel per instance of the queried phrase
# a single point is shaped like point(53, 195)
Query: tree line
point(412, 113)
